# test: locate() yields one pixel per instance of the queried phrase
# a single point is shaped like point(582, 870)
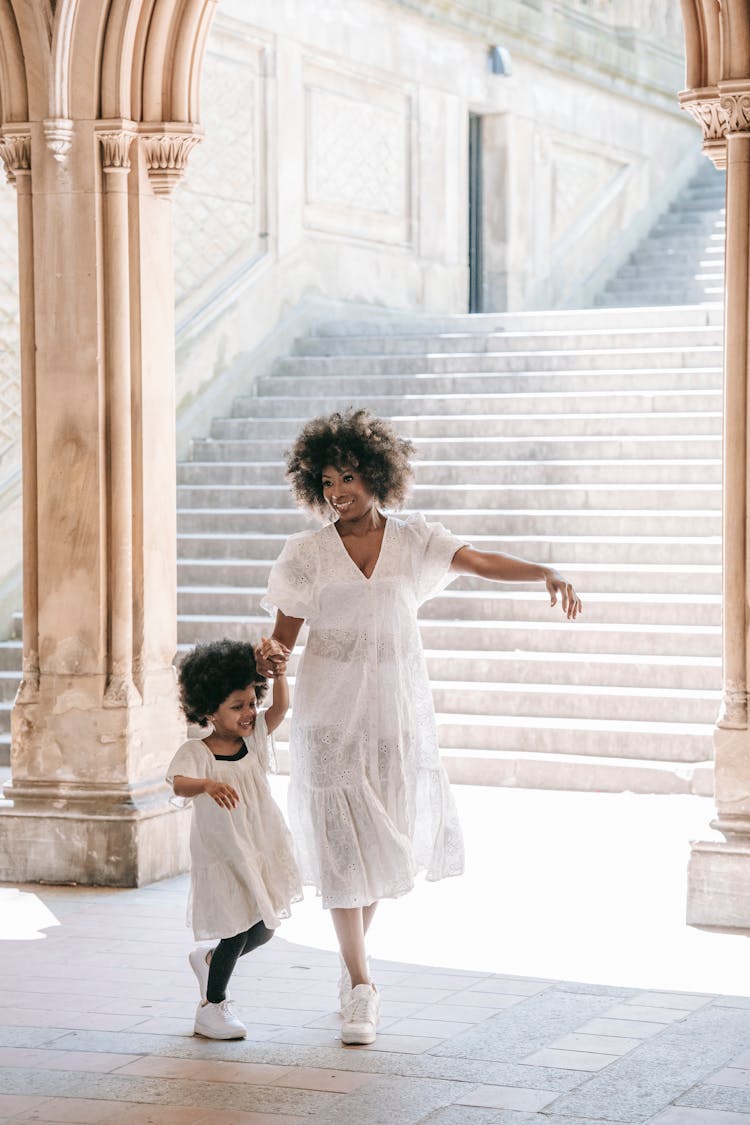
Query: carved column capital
point(115, 139)
point(167, 150)
point(707, 108)
point(736, 107)
point(15, 153)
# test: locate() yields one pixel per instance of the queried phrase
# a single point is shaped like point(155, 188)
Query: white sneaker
point(218, 1021)
point(199, 963)
point(361, 1015)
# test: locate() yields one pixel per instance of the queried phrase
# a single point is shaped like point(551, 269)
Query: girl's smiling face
point(346, 493)
point(235, 717)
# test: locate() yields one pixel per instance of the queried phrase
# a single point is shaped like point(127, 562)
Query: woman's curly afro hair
point(211, 672)
point(355, 439)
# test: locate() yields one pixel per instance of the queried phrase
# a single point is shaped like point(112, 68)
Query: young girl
point(243, 874)
point(369, 802)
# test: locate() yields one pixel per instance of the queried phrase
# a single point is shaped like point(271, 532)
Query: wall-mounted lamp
point(500, 61)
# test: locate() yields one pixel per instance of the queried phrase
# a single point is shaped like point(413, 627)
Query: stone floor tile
point(204, 1070)
point(403, 1044)
point(75, 1111)
point(464, 1115)
point(453, 1013)
point(407, 994)
point(318, 1078)
point(730, 1076)
point(508, 1097)
point(167, 1026)
point(451, 982)
point(645, 1013)
point(391, 1099)
point(308, 1036)
point(512, 986)
point(629, 1029)
point(742, 1061)
point(17, 1103)
point(433, 1029)
point(569, 1060)
point(601, 1044)
point(684, 1115)
point(158, 1115)
point(683, 1000)
point(494, 1000)
point(93, 1021)
point(62, 1060)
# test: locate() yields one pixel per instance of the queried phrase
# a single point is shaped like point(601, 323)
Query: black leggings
point(227, 954)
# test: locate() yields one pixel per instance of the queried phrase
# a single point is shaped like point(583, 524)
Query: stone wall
point(335, 170)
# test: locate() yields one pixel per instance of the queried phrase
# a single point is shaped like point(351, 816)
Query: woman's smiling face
point(346, 493)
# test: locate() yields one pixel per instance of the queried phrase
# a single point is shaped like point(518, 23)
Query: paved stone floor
point(556, 983)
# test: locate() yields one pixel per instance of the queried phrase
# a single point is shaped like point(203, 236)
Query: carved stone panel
point(358, 134)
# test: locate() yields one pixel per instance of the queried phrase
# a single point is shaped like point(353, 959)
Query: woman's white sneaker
point(361, 1015)
point(218, 1021)
point(199, 963)
point(345, 984)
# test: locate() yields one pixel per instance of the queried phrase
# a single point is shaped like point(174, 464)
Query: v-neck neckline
point(361, 573)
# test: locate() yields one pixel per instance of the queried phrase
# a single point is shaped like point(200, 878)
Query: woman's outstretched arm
point(508, 568)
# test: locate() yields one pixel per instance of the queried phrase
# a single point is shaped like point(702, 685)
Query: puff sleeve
point(293, 581)
point(189, 761)
point(434, 547)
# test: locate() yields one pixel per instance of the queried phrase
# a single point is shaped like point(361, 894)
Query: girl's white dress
point(242, 861)
point(369, 802)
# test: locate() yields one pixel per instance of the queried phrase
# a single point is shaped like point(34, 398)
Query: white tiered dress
point(242, 868)
point(369, 802)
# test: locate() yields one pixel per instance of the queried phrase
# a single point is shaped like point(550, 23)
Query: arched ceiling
point(102, 59)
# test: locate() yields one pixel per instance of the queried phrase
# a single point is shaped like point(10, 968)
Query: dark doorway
point(475, 213)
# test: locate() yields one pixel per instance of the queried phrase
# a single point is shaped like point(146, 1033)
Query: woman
point(370, 804)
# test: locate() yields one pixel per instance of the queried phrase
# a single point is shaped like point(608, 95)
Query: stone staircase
point(681, 261)
point(591, 439)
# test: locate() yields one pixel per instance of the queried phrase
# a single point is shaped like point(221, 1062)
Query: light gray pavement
point(556, 983)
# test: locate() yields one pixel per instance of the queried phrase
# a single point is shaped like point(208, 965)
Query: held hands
point(271, 657)
point(570, 603)
point(224, 795)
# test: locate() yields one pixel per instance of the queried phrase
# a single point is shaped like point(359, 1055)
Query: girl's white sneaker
point(361, 1015)
point(199, 964)
point(345, 984)
point(218, 1021)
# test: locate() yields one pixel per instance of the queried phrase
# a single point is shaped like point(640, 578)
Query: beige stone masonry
point(96, 717)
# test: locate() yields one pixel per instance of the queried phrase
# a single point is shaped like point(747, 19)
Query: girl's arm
point(278, 709)
point(224, 795)
point(508, 568)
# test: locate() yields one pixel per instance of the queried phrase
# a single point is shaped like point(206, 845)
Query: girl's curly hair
point(358, 440)
point(211, 672)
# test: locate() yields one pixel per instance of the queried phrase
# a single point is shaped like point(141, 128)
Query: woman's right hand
point(223, 794)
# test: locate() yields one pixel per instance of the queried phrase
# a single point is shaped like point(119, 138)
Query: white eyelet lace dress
point(369, 802)
point(242, 868)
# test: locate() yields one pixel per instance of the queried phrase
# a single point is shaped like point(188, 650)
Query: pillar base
point(719, 884)
point(115, 851)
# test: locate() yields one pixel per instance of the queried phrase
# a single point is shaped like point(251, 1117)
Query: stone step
point(553, 701)
point(687, 400)
point(553, 635)
point(589, 773)
point(353, 388)
point(656, 741)
point(686, 471)
point(587, 578)
point(469, 342)
point(487, 426)
point(544, 320)
point(492, 602)
point(469, 522)
point(541, 360)
point(502, 495)
point(662, 550)
point(639, 447)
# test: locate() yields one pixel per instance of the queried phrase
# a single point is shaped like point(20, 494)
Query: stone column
point(719, 870)
point(96, 719)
